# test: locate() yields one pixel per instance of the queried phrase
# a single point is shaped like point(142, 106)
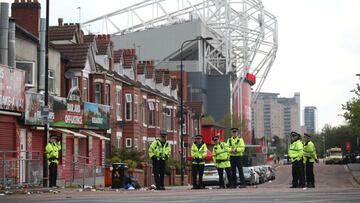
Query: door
point(22, 166)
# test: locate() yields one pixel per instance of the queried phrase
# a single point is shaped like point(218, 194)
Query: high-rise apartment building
point(276, 116)
point(310, 119)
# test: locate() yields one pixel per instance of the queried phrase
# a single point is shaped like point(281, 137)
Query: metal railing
point(84, 171)
point(20, 168)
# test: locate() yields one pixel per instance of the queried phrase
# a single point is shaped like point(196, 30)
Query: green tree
point(352, 110)
point(209, 119)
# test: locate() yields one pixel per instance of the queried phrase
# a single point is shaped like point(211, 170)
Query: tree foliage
point(352, 110)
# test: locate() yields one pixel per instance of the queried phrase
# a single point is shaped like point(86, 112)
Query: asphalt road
point(334, 183)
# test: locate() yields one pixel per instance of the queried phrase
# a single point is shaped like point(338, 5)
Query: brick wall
point(27, 15)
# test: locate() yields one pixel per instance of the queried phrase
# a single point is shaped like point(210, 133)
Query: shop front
point(81, 126)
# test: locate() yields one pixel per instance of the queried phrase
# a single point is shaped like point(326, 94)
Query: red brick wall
point(27, 15)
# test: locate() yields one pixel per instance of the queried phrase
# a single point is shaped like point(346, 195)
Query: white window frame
point(136, 143)
point(118, 103)
point(107, 94)
point(157, 115)
point(128, 143)
point(136, 107)
point(98, 92)
point(151, 113)
point(32, 84)
point(75, 80)
point(128, 99)
point(51, 78)
point(85, 89)
point(143, 111)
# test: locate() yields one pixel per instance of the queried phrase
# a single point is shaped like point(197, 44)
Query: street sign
point(264, 150)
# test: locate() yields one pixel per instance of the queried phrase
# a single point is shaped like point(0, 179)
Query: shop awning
point(91, 133)
point(70, 132)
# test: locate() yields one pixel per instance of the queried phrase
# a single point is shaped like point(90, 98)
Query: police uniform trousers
point(309, 172)
point(159, 172)
point(197, 172)
point(221, 176)
point(52, 174)
point(236, 162)
point(298, 174)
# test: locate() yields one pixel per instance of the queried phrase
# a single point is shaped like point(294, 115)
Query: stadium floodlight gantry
point(245, 34)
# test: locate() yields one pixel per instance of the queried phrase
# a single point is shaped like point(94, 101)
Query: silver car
point(211, 176)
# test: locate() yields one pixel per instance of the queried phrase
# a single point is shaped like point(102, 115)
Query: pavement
point(354, 169)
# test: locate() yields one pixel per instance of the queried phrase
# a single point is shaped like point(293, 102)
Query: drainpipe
point(11, 43)
point(4, 27)
point(42, 54)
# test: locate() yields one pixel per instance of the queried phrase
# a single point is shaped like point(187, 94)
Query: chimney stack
point(60, 21)
point(27, 15)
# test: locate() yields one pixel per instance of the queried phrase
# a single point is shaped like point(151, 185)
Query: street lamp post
point(182, 105)
point(46, 95)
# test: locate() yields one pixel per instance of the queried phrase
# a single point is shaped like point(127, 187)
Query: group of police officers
point(227, 157)
point(303, 155)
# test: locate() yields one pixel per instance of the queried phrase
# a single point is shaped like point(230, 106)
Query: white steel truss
point(245, 34)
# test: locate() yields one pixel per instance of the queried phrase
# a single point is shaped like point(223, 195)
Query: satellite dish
point(69, 74)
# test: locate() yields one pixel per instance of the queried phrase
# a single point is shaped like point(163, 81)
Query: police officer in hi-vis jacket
point(236, 148)
point(221, 159)
point(198, 153)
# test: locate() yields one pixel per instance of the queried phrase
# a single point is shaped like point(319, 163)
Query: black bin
point(119, 175)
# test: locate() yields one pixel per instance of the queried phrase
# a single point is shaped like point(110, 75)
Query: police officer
point(221, 159)
point(309, 159)
point(198, 153)
point(52, 152)
point(296, 155)
point(236, 148)
point(159, 152)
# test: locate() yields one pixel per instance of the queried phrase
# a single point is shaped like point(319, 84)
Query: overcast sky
point(318, 55)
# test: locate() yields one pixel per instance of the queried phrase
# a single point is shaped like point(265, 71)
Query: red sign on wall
point(348, 146)
point(12, 88)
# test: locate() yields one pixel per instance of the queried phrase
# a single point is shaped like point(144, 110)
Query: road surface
point(334, 183)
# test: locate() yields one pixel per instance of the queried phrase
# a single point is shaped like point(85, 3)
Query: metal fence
point(84, 171)
point(20, 167)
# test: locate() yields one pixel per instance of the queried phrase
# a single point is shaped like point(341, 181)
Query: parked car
point(261, 172)
point(211, 175)
point(251, 177)
point(286, 160)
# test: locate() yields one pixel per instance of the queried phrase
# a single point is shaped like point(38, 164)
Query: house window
point(157, 114)
point(128, 107)
point(151, 114)
point(29, 68)
point(184, 124)
point(74, 82)
point(98, 93)
point(136, 107)
point(136, 143)
point(163, 124)
point(128, 142)
point(107, 94)
point(168, 119)
point(85, 89)
point(143, 111)
point(51, 80)
point(118, 104)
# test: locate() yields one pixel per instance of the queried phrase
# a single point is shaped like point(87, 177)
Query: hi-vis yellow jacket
point(237, 143)
point(309, 152)
point(296, 150)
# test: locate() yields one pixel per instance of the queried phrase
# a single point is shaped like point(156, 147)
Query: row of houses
point(101, 99)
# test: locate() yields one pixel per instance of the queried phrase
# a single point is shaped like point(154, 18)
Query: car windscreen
point(210, 168)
